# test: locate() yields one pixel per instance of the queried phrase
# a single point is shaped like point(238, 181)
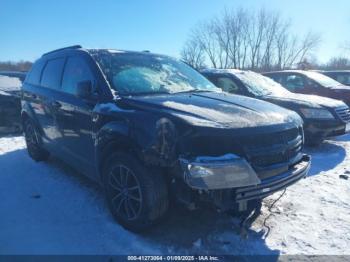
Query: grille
point(276, 148)
point(343, 113)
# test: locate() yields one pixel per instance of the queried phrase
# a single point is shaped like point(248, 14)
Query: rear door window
point(75, 71)
point(52, 74)
point(35, 73)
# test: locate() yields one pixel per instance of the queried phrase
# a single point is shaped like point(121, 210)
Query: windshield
point(137, 73)
point(322, 79)
point(260, 85)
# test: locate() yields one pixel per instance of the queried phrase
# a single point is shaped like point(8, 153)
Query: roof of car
point(93, 50)
point(287, 71)
point(336, 71)
point(220, 71)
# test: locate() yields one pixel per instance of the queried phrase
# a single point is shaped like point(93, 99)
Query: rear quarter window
point(52, 73)
point(35, 73)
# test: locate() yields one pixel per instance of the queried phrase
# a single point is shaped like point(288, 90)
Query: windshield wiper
point(193, 91)
point(146, 93)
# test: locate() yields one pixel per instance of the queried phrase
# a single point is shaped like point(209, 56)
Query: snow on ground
point(47, 208)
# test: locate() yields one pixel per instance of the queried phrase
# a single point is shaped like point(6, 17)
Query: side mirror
point(84, 89)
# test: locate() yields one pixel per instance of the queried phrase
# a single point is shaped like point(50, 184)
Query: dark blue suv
point(149, 128)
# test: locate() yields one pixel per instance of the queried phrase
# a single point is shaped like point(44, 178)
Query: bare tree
point(306, 46)
point(241, 38)
point(192, 53)
point(338, 63)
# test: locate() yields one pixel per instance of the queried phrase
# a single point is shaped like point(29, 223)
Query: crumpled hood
point(216, 109)
point(312, 101)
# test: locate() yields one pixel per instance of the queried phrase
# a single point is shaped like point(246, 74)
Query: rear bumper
point(273, 184)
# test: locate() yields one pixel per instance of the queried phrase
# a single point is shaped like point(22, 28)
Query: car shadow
point(325, 157)
point(207, 232)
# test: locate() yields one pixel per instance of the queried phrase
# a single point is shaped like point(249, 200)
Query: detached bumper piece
point(273, 184)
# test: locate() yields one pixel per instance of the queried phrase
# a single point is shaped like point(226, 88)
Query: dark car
point(309, 82)
point(341, 76)
point(323, 117)
point(149, 128)
point(10, 102)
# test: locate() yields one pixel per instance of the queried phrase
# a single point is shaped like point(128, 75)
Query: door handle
point(56, 104)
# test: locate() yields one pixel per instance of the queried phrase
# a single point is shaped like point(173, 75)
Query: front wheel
point(137, 196)
point(34, 147)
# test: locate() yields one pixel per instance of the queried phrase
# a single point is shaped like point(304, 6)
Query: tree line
point(15, 66)
point(260, 40)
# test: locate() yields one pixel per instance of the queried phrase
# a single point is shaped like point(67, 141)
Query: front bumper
point(319, 130)
point(238, 197)
point(273, 184)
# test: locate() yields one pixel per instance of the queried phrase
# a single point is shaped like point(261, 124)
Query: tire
point(137, 196)
point(34, 147)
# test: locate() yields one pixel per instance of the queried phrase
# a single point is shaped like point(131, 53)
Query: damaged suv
point(149, 128)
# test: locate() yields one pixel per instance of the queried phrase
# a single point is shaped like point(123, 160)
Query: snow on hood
point(313, 101)
point(219, 110)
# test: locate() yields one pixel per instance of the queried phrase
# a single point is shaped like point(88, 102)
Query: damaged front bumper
point(230, 182)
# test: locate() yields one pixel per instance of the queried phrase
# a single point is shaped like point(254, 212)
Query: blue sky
point(29, 28)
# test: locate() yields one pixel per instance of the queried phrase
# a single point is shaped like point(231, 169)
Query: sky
point(30, 28)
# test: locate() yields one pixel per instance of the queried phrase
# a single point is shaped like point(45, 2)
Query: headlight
point(227, 171)
point(314, 113)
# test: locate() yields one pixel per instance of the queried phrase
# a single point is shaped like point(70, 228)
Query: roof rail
point(64, 48)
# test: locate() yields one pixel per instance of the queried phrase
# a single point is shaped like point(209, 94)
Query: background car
point(150, 128)
point(323, 117)
point(10, 103)
point(341, 76)
point(308, 82)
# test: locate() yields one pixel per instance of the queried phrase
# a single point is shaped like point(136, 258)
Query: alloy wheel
point(125, 192)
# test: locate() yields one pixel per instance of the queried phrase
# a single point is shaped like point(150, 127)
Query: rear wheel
point(34, 147)
point(137, 196)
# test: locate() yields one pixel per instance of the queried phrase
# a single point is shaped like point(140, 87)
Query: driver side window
point(76, 70)
point(227, 85)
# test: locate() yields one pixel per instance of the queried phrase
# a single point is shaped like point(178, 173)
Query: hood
point(213, 109)
point(312, 101)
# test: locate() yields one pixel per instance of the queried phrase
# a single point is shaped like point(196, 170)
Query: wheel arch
point(112, 137)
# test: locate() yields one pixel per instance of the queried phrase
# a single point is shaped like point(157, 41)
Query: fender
point(27, 111)
point(112, 136)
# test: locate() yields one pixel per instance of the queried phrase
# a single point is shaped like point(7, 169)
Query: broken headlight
point(227, 171)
